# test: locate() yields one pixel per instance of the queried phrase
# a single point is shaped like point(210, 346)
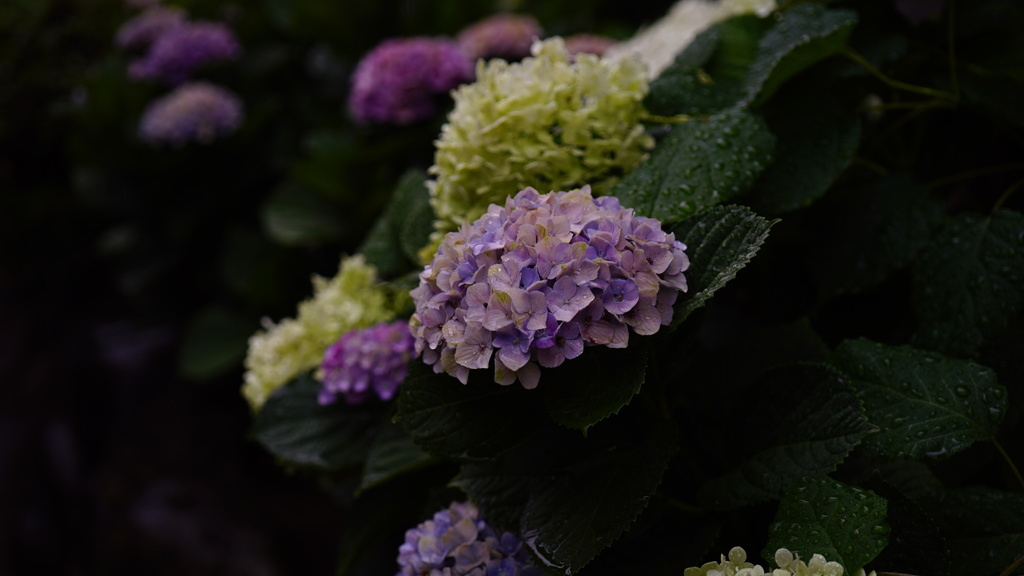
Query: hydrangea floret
point(399, 81)
point(353, 299)
point(458, 541)
point(659, 44)
point(366, 363)
point(535, 281)
point(147, 26)
point(501, 35)
point(588, 44)
point(193, 112)
point(788, 563)
point(181, 50)
point(552, 121)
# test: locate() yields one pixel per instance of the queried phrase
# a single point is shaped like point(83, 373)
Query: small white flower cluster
point(789, 565)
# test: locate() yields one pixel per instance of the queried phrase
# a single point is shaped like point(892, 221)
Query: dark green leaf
point(465, 421)
point(843, 523)
point(871, 233)
point(707, 76)
point(293, 426)
point(588, 389)
point(392, 453)
point(700, 164)
point(402, 229)
point(294, 216)
point(719, 243)
point(816, 421)
point(984, 528)
point(817, 138)
point(969, 281)
point(916, 545)
point(803, 36)
point(924, 404)
point(214, 342)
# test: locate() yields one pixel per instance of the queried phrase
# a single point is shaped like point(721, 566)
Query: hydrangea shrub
point(535, 281)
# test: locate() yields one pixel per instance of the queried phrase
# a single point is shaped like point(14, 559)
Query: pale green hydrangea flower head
point(353, 299)
point(789, 565)
point(551, 122)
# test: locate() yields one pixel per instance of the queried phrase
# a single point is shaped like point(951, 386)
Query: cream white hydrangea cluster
point(658, 45)
point(789, 565)
point(551, 122)
point(353, 299)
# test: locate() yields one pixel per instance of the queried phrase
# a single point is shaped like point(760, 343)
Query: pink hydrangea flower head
point(532, 283)
point(398, 82)
point(503, 35)
point(366, 363)
point(193, 112)
point(458, 541)
point(177, 53)
point(147, 26)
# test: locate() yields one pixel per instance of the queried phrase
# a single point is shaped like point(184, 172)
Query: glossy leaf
point(700, 164)
point(969, 281)
point(843, 523)
point(812, 421)
point(719, 242)
point(402, 229)
point(293, 426)
point(925, 405)
point(392, 454)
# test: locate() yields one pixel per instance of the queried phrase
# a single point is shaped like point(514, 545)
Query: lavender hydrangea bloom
point(147, 26)
point(193, 112)
point(398, 81)
point(182, 50)
point(458, 541)
point(588, 44)
point(540, 278)
point(368, 362)
point(502, 35)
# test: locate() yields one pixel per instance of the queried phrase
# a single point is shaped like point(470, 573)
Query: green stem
point(682, 506)
point(656, 119)
point(873, 166)
point(968, 175)
point(1006, 195)
point(1016, 564)
point(1009, 462)
point(940, 94)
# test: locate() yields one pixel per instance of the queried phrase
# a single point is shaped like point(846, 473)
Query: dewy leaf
point(392, 453)
point(817, 138)
point(707, 77)
point(472, 421)
point(866, 236)
point(925, 405)
point(984, 529)
point(969, 281)
point(811, 421)
point(843, 523)
point(719, 243)
point(596, 385)
point(803, 36)
point(293, 426)
point(700, 164)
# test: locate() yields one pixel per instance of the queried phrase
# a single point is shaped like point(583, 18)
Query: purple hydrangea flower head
point(193, 112)
point(181, 50)
point(147, 26)
point(398, 81)
point(539, 279)
point(588, 44)
point(365, 363)
point(458, 541)
point(503, 35)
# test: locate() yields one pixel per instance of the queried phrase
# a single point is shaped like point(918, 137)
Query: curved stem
point(940, 94)
point(1009, 462)
point(1016, 564)
point(988, 170)
point(1003, 197)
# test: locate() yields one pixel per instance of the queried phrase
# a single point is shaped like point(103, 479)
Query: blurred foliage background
point(131, 275)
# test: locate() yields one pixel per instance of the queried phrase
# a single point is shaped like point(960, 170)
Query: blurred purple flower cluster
point(457, 541)
point(398, 81)
point(502, 35)
point(367, 362)
point(179, 50)
point(147, 26)
point(540, 278)
point(192, 112)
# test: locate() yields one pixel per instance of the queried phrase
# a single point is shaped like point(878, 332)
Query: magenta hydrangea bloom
point(147, 26)
point(193, 112)
point(458, 541)
point(398, 81)
point(366, 363)
point(177, 53)
point(540, 278)
point(587, 44)
point(503, 35)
